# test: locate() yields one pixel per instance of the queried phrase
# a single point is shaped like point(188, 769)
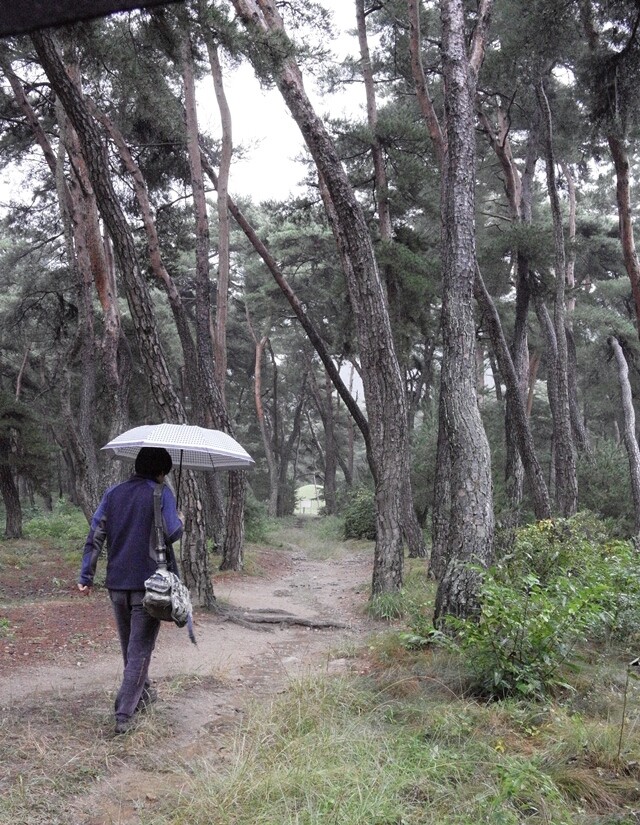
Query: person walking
point(125, 519)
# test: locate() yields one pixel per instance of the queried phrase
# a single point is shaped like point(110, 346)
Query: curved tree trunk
point(193, 553)
point(520, 420)
point(384, 390)
point(577, 423)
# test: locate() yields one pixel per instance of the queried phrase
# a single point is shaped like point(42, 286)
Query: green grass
point(403, 742)
point(317, 537)
point(399, 741)
point(365, 750)
point(64, 527)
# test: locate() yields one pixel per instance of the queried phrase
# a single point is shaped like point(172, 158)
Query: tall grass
point(357, 751)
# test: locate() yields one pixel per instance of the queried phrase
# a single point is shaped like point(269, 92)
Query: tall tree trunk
point(226, 151)
point(519, 194)
point(264, 431)
point(193, 553)
point(77, 209)
point(381, 191)
point(623, 199)
point(471, 525)
point(565, 461)
point(384, 391)
point(299, 311)
point(79, 229)
point(410, 526)
point(202, 395)
point(205, 350)
point(580, 434)
point(630, 438)
point(9, 493)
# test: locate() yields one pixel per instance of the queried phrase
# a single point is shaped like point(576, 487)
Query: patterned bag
point(166, 598)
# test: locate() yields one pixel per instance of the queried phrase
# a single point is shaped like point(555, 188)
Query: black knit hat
point(152, 462)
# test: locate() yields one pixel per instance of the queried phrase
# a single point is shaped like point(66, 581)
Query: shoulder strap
point(161, 548)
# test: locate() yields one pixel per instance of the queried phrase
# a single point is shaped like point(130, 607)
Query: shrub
point(563, 582)
point(256, 522)
point(359, 515)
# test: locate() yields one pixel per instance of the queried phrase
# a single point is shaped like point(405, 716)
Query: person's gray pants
point(138, 632)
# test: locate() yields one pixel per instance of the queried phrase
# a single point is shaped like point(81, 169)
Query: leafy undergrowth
point(404, 738)
point(413, 737)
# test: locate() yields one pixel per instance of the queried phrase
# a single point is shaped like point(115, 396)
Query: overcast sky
point(262, 124)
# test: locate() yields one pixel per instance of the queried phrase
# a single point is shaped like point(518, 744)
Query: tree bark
point(193, 555)
point(9, 492)
point(381, 184)
point(520, 420)
point(629, 418)
point(580, 434)
point(471, 528)
point(623, 200)
point(262, 423)
point(205, 347)
point(384, 391)
point(222, 290)
point(565, 462)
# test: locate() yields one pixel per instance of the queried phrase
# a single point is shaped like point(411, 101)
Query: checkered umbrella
point(190, 447)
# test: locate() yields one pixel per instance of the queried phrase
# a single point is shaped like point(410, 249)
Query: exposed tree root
point(257, 619)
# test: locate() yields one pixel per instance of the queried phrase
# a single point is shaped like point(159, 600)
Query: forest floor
point(60, 667)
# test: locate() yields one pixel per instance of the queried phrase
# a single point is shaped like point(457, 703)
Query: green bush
point(359, 515)
point(564, 582)
point(256, 521)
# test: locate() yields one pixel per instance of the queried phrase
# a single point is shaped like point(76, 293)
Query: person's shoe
point(149, 697)
point(123, 726)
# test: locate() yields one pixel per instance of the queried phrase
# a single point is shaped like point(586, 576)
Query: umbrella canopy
point(190, 447)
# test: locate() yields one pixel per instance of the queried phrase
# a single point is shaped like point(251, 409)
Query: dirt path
point(203, 690)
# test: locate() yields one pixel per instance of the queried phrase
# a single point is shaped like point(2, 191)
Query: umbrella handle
point(179, 477)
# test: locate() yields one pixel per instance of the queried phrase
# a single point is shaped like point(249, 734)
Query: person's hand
point(85, 589)
point(181, 516)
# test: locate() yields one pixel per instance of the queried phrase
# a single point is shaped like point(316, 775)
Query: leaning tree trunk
point(518, 193)
point(384, 390)
point(471, 524)
point(630, 439)
point(519, 419)
point(193, 552)
point(75, 201)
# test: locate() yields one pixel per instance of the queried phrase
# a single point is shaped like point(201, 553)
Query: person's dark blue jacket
point(125, 519)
